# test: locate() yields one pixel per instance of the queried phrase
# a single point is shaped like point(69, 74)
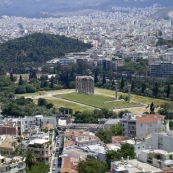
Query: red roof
point(150, 118)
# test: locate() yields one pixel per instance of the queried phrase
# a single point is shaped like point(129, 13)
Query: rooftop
point(7, 143)
point(134, 166)
point(38, 141)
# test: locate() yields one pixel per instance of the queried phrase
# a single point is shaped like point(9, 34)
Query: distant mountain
point(34, 8)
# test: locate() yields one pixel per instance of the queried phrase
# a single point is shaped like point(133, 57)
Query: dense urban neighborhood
point(89, 93)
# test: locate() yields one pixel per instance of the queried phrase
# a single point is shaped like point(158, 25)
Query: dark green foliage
point(143, 87)
point(104, 78)
point(92, 116)
point(155, 90)
point(33, 74)
point(21, 82)
point(126, 150)
point(122, 83)
point(42, 102)
point(36, 49)
point(39, 168)
point(162, 41)
point(106, 135)
point(152, 107)
point(91, 165)
point(138, 68)
point(168, 91)
point(20, 89)
point(21, 107)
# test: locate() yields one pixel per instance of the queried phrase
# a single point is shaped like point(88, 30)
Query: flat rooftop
point(38, 141)
point(135, 166)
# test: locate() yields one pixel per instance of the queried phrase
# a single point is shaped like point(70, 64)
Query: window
point(26, 122)
point(150, 125)
point(141, 125)
point(138, 147)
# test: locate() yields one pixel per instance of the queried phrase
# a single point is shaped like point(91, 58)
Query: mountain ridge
point(31, 8)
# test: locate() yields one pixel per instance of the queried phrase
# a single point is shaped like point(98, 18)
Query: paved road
point(59, 160)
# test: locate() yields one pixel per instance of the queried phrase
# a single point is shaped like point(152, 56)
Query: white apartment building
point(161, 69)
point(148, 124)
point(12, 164)
point(128, 123)
point(163, 141)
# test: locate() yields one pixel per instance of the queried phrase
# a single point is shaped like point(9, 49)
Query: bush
point(20, 89)
point(30, 88)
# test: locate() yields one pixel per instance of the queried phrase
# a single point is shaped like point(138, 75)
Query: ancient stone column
point(116, 91)
point(129, 88)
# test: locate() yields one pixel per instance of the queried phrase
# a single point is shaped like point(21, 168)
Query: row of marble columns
point(85, 85)
point(116, 92)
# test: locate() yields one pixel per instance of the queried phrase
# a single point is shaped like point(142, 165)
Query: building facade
point(161, 69)
point(128, 123)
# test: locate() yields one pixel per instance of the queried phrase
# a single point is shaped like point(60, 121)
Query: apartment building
point(163, 141)
point(161, 69)
point(128, 123)
point(6, 146)
point(12, 164)
point(158, 158)
point(148, 124)
point(42, 148)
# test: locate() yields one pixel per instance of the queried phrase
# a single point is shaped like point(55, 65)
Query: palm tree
point(30, 159)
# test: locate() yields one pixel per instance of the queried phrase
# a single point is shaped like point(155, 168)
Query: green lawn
point(95, 100)
point(58, 103)
point(136, 98)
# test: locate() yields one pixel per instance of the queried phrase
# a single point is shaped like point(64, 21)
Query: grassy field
point(58, 103)
point(136, 98)
point(95, 100)
point(44, 93)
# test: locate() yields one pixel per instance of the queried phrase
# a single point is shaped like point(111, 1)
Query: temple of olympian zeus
point(116, 92)
point(85, 84)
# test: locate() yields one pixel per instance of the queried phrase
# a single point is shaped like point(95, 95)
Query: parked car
point(53, 168)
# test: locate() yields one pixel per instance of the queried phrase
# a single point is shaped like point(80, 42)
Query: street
point(57, 160)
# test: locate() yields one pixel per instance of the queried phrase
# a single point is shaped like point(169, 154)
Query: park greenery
point(33, 50)
point(105, 135)
point(21, 107)
point(92, 116)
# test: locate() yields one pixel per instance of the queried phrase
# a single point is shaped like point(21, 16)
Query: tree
point(125, 151)
point(52, 82)
point(117, 130)
point(30, 159)
point(20, 89)
point(104, 78)
point(165, 109)
point(152, 107)
point(11, 77)
point(122, 83)
point(133, 85)
point(21, 82)
point(143, 88)
point(168, 91)
point(39, 168)
point(92, 166)
point(42, 102)
point(49, 105)
point(155, 90)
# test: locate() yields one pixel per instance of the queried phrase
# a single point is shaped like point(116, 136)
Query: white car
point(53, 168)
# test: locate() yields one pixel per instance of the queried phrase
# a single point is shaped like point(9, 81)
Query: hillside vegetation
point(37, 48)
point(169, 43)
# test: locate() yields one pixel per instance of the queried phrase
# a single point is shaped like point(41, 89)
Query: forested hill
point(161, 41)
point(38, 48)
